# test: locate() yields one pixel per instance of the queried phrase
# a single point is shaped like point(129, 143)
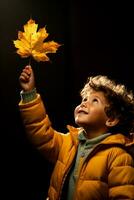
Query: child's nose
point(83, 104)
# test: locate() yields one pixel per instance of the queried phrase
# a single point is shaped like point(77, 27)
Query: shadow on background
point(97, 38)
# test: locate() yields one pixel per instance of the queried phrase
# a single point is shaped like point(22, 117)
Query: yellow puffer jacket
point(107, 173)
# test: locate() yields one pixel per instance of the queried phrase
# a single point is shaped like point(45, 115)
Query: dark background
point(97, 38)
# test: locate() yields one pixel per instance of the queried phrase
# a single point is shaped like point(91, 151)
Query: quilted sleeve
point(121, 176)
point(39, 130)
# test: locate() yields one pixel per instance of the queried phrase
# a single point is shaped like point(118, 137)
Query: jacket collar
point(112, 139)
point(119, 139)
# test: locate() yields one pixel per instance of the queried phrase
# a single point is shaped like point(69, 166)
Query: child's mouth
point(82, 111)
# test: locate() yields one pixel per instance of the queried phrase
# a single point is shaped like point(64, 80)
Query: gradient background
point(97, 38)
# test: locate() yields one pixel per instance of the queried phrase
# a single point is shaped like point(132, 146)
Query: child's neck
point(94, 133)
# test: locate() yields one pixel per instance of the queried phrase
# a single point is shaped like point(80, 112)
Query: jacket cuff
point(28, 96)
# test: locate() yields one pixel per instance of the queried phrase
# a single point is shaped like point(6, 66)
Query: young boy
point(92, 162)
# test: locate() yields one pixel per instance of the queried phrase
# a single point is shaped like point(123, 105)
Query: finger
point(24, 76)
point(29, 68)
point(27, 71)
point(23, 79)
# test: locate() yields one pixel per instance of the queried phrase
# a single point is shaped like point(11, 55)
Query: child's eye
point(95, 100)
point(84, 99)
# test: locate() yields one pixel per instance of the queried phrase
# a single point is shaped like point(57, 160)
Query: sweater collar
point(93, 141)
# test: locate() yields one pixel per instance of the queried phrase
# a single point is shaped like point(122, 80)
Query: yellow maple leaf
point(31, 42)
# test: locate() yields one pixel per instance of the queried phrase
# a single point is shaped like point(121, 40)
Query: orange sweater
point(107, 173)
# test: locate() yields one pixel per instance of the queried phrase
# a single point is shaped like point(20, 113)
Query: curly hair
point(121, 101)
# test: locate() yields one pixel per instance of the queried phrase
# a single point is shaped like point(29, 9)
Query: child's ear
point(112, 122)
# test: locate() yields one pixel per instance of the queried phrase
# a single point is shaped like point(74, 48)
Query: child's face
point(90, 113)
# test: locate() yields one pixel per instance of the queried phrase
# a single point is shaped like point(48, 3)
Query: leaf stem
point(30, 60)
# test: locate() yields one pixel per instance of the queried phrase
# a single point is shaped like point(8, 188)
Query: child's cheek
point(76, 110)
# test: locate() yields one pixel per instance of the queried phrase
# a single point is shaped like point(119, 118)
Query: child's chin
point(78, 123)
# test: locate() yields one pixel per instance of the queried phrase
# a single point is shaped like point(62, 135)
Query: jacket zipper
point(63, 181)
point(79, 172)
point(65, 176)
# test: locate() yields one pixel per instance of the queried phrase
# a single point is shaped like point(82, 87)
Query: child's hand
point(26, 79)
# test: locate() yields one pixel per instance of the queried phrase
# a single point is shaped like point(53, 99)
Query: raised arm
point(35, 119)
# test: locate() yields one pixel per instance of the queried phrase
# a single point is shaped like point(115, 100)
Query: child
point(92, 162)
